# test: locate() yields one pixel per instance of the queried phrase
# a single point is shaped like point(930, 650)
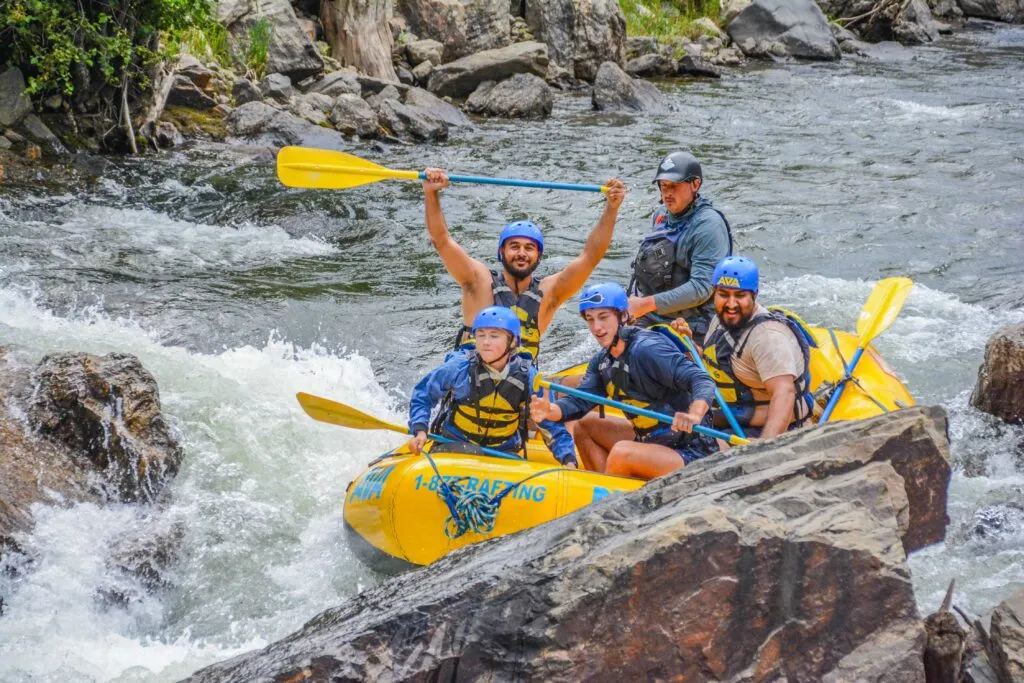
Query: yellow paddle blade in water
point(332, 412)
point(330, 170)
point(882, 307)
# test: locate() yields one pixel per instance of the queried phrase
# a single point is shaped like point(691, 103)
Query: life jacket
point(656, 269)
point(621, 386)
point(722, 346)
point(495, 412)
point(526, 307)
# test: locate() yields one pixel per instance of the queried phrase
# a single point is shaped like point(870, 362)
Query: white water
point(259, 497)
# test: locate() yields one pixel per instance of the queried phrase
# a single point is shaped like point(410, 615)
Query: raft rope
point(847, 377)
point(469, 510)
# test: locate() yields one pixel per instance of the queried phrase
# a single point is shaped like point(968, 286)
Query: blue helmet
point(525, 229)
point(499, 318)
point(736, 272)
point(604, 295)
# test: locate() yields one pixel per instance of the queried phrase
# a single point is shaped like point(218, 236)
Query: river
point(236, 293)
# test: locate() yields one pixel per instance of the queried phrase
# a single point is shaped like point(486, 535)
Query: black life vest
point(495, 410)
point(621, 386)
point(656, 267)
point(526, 307)
point(722, 346)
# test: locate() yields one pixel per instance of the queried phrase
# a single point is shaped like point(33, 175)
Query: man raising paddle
point(520, 248)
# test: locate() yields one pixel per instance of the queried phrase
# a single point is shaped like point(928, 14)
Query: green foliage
point(64, 45)
point(257, 45)
point(668, 19)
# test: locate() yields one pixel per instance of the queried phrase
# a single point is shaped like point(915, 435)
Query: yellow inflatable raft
point(397, 517)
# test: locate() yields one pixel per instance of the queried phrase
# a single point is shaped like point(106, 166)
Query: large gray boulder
point(653, 64)
point(407, 121)
point(290, 51)
point(616, 91)
point(463, 76)
point(353, 116)
point(433, 105)
point(425, 50)
point(783, 28)
point(784, 560)
point(580, 34)
point(462, 26)
point(1006, 643)
point(337, 83)
point(524, 96)
point(1000, 387)
point(260, 123)
point(14, 104)
point(999, 10)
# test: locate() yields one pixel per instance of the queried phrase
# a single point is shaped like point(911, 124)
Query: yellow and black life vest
point(526, 307)
point(722, 346)
point(495, 410)
point(621, 386)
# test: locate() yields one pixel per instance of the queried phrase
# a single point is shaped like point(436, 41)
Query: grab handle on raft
point(732, 439)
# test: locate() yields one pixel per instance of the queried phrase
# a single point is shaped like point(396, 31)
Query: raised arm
point(466, 270)
point(565, 283)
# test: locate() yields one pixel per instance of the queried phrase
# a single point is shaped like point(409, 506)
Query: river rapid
point(236, 293)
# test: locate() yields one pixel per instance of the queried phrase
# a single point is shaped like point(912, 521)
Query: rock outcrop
point(1000, 387)
point(463, 76)
point(260, 123)
point(580, 34)
point(999, 10)
point(615, 90)
point(462, 26)
point(79, 427)
point(523, 96)
point(290, 51)
point(783, 28)
point(14, 105)
point(1006, 639)
point(782, 560)
point(909, 21)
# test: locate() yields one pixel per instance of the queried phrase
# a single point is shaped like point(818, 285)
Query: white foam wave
point(141, 240)
point(259, 496)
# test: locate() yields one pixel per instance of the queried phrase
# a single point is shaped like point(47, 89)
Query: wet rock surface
point(783, 28)
point(1000, 387)
point(615, 90)
point(79, 427)
point(781, 560)
point(461, 77)
point(523, 96)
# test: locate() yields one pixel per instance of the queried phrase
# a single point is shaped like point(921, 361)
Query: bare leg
point(643, 460)
point(595, 436)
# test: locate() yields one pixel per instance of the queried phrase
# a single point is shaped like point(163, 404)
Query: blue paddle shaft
point(481, 180)
point(626, 408)
point(488, 451)
point(726, 410)
point(842, 385)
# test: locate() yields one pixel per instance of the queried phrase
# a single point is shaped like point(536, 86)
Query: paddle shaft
point(834, 399)
point(626, 408)
point(421, 175)
point(726, 410)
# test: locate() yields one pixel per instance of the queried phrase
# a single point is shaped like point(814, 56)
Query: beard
point(520, 273)
point(744, 319)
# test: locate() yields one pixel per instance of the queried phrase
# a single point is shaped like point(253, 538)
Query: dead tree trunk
point(359, 35)
point(943, 653)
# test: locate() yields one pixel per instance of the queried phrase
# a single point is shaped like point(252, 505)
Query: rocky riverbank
point(331, 73)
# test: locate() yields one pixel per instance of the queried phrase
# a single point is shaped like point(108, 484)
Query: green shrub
point(669, 19)
point(257, 45)
point(66, 45)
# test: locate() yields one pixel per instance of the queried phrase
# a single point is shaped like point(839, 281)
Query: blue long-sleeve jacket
point(659, 374)
point(453, 375)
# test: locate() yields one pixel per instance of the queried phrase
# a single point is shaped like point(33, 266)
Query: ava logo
point(667, 165)
point(726, 281)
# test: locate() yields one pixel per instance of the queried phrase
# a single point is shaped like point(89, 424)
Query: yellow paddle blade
point(882, 307)
point(332, 412)
point(330, 170)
